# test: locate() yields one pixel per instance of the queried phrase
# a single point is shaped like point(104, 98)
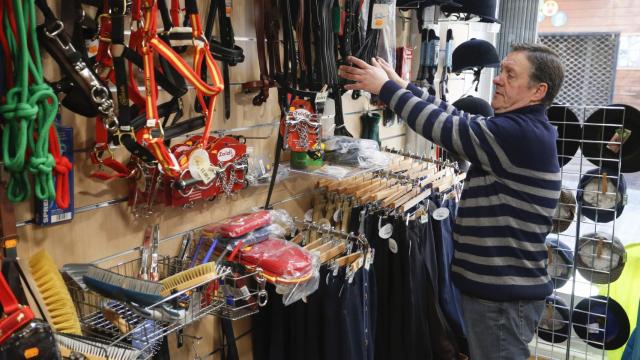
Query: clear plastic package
point(363, 153)
point(293, 269)
point(282, 218)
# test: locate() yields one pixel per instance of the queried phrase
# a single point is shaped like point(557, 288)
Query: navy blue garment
point(313, 326)
point(417, 325)
point(332, 342)
point(510, 192)
point(381, 309)
point(269, 329)
point(399, 298)
point(352, 318)
point(449, 295)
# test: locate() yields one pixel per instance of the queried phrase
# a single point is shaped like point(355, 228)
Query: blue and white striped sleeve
point(470, 136)
point(423, 94)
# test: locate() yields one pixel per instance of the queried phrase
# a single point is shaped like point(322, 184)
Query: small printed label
point(308, 215)
point(441, 214)
point(393, 246)
point(226, 154)
point(337, 215)
point(380, 15)
point(386, 231)
point(151, 123)
point(424, 218)
point(200, 166)
point(228, 6)
point(619, 137)
point(322, 96)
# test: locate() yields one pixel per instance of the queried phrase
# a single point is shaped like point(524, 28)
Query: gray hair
point(546, 67)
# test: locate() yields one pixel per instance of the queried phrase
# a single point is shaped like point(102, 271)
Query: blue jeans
point(500, 330)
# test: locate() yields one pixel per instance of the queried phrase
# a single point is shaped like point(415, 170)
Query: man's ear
point(540, 92)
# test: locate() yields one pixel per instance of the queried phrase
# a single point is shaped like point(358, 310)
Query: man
point(509, 195)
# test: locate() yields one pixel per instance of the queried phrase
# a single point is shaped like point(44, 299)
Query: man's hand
point(367, 77)
point(391, 73)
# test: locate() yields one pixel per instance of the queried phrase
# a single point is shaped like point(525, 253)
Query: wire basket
point(240, 295)
point(123, 323)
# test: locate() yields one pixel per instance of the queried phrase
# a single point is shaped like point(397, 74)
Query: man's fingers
point(375, 63)
point(382, 61)
point(359, 63)
point(350, 70)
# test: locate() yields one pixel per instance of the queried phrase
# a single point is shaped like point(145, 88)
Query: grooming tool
point(75, 273)
point(183, 280)
point(210, 252)
point(186, 241)
point(144, 254)
point(93, 348)
point(56, 298)
point(194, 258)
point(155, 242)
point(124, 288)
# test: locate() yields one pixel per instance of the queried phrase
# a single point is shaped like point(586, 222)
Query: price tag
point(424, 218)
point(386, 231)
point(322, 96)
point(308, 215)
point(337, 215)
point(200, 167)
point(441, 214)
point(151, 123)
point(393, 246)
point(380, 15)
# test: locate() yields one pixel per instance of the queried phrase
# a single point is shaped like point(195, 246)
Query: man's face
point(513, 89)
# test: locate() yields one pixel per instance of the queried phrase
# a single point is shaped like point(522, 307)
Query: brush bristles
point(125, 282)
point(94, 349)
point(191, 277)
point(54, 293)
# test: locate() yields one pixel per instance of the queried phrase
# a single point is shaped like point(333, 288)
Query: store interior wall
point(111, 229)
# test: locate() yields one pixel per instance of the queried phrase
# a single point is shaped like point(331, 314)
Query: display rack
point(561, 332)
point(131, 328)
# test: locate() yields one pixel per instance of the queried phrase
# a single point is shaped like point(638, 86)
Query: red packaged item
point(282, 262)
point(239, 225)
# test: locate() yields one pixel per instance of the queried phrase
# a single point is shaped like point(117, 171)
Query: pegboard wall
point(104, 225)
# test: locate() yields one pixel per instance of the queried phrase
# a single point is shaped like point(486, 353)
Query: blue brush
point(124, 288)
point(210, 252)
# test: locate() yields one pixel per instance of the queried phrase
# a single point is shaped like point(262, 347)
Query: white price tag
point(393, 246)
point(441, 214)
point(337, 215)
point(380, 15)
point(308, 215)
point(322, 96)
point(200, 166)
point(386, 231)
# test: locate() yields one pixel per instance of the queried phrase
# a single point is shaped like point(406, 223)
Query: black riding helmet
point(474, 54)
point(485, 9)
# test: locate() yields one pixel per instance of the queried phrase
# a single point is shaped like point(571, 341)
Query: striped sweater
point(509, 196)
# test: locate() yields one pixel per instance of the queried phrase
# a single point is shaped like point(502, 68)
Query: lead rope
point(24, 105)
point(42, 96)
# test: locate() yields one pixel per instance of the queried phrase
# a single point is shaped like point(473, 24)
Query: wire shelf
point(144, 327)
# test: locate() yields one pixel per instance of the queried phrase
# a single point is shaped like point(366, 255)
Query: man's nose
point(497, 80)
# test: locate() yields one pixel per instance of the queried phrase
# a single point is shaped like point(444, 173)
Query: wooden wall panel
point(96, 234)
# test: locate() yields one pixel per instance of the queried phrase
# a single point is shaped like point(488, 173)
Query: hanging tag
point(441, 214)
point(386, 231)
point(200, 166)
point(228, 7)
point(424, 218)
point(393, 246)
point(152, 123)
point(337, 215)
point(322, 96)
point(380, 15)
point(308, 215)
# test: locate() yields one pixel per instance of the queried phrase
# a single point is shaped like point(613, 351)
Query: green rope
point(28, 109)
